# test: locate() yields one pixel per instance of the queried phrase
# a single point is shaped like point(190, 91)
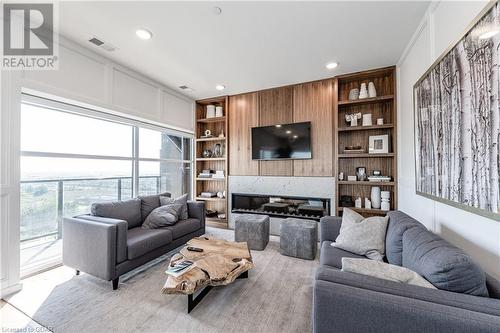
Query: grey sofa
point(349, 302)
point(110, 242)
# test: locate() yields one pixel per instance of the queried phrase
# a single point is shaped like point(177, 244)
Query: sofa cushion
point(445, 266)
point(363, 236)
point(399, 222)
point(332, 256)
point(162, 216)
point(128, 210)
point(141, 241)
point(184, 227)
point(150, 202)
point(182, 200)
point(383, 270)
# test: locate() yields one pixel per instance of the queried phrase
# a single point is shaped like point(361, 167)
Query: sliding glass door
point(72, 157)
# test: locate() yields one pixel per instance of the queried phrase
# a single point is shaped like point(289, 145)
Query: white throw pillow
point(384, 271)
point(363, 236)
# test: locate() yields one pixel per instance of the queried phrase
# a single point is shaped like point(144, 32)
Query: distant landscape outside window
point(70, 160)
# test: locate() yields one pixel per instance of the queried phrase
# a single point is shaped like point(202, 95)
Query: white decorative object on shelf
point(372, 92)
point(380, 121)
point(219, 111)
point(357, 203)
point(386, 200)
point(363, 92)
point(353, 118)
point(367, 119)
point(354, 94)
point(375, 197)
point(210, 111)
point(352, 178)
point(341, 176)
point(368, 203)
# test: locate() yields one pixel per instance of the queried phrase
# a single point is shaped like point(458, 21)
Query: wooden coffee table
point(220, 263)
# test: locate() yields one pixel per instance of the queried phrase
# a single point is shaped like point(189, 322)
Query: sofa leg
point(77, 272)
point(115, 283)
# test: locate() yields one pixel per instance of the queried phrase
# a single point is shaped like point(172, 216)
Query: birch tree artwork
point(457, 122)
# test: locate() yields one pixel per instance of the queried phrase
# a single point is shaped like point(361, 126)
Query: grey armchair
point(113, 243)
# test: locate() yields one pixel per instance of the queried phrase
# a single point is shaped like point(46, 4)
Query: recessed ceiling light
point(278, 126)
point(220, 87)
point(288, 132)
point(489, 34)
point(217, 10)
point(331, 65)
point(295, 136)
point(144, 34)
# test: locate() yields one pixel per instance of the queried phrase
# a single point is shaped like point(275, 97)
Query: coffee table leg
point(193, 301)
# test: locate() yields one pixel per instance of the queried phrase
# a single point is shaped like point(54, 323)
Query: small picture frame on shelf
point(378, 144)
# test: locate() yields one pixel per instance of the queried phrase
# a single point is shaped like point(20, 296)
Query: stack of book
point(180, 268)
point(205, 174)
point(218, 174)
point(208, 194)
point(379, 178)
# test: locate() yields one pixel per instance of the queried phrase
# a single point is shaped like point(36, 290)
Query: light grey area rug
point(277, 297)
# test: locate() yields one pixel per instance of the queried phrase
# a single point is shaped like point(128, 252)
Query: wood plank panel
point(314, 102)
point(243, 115)
point(276, 107)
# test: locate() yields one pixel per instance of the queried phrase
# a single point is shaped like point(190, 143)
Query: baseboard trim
point(7, 291)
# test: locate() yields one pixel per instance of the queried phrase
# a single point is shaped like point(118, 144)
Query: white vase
point(210, 111)
point(218, 111)
point(353, 94)
point(363, 92)
point(375, 197)
point(372, 92)
point(386, 200)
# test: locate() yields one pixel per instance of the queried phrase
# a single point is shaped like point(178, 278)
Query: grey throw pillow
point(162, 216)
point(182, 200)
point(384, 271)
point(362, 236)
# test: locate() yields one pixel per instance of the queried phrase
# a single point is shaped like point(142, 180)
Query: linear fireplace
point(280, 206)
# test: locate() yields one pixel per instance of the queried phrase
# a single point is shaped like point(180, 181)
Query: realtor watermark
point(29, 36)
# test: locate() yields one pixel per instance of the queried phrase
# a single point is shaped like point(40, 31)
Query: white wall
point(88, 79)
point(441, 27)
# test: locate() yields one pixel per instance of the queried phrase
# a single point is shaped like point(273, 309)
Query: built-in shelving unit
point(217, 126)
point(382, 106)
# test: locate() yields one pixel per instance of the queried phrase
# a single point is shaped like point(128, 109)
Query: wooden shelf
point(201, 159)
point(364, 210)
point(212, 120)
point(365, 128)
point(367, 100)
point(210, 179)
point(210, 199)
point(365, 183)
point(365, 155)
point(210, 139)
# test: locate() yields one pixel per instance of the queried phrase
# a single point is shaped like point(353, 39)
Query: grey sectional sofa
point(349, 302)
point(110, 242)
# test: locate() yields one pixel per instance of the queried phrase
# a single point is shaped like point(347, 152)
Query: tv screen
point(286, 141)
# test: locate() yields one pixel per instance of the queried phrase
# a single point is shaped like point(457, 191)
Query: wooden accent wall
point(314, 102)
point(243, 115)
point(298, 103)
point(276, 107)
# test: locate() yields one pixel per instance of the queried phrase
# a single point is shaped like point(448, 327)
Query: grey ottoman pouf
point(253, 229)
point(299, 238)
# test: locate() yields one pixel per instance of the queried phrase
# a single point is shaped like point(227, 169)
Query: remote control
point(194, 249)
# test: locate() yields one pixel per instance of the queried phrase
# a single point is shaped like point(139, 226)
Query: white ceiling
point(251, 45)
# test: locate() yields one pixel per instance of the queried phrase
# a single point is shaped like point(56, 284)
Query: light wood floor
point(277, 297)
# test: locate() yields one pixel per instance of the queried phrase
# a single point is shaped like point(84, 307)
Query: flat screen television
point(285, 141)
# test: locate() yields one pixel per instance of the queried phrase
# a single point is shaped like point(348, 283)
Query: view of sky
point(46, 130)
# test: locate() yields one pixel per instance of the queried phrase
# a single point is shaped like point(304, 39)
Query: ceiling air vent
point(185, 88)
point(99, 43)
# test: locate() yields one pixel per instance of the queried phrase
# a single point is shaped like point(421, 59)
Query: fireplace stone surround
point(288, 187)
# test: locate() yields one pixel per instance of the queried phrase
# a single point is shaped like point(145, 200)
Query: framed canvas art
point(457, 121)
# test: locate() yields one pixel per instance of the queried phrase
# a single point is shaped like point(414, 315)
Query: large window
point(72, 157)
